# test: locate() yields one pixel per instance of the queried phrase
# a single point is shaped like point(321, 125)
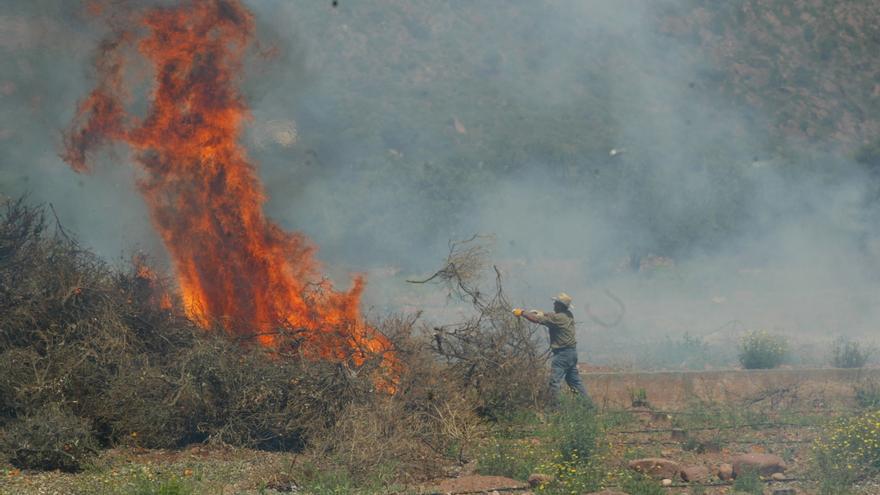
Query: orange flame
point(233, 264)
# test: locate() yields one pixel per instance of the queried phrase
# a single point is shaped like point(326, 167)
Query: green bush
point(761, 350)
point(575, 429)
point(515, 459)
point(642, 485)
point(566, 447)
point(748, 482)
point(849, 354)
point(48, 439)
point(688, 351)
point(867, 394)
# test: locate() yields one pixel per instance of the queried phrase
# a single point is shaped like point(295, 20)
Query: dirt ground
point(781, 416)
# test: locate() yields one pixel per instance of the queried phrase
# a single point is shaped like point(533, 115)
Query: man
point(563, 344)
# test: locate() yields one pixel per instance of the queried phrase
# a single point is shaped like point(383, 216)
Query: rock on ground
point(656, 467)
point(764, 464)
point(694, 473)
point(537, 479)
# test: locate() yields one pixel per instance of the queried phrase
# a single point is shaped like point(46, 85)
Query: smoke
point(588, 137)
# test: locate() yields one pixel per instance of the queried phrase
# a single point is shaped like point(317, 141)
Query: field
point(678, 416)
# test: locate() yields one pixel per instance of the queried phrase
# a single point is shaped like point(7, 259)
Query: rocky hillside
point(814, 65)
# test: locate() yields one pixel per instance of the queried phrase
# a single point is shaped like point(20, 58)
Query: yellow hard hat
point(564, 299)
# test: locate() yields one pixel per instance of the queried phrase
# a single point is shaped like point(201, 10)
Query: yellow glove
point(517, 312)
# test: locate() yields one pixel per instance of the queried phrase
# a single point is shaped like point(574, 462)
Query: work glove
point(517, 312)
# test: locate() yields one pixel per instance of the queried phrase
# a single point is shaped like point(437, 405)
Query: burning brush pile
point(101, 349)
point(247, 344)
point(94, 356)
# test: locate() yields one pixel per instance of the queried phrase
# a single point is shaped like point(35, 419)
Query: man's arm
point(533, 316)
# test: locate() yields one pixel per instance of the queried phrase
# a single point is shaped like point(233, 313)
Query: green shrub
point(515, 459)
point(575, 429)
point(748, 482)
point(686, 352)
point(566, 447)
point(867, 394)
point(642, 485)
point(849, 354)
point(761, 350)
point(48, 439)
point(328, 479)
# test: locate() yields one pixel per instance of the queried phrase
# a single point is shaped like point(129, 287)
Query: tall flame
point(233, 264)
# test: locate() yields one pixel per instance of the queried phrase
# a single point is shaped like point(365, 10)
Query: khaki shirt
point(561, 327)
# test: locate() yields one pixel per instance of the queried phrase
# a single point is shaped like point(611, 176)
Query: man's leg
point(573, 378)
point(558, 367)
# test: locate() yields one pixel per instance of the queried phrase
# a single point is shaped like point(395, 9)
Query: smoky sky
point(590, 143)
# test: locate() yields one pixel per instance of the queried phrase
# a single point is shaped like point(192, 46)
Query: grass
point(568, 445)
point(578, 457)
point(748, 482)
point(642, 486)
point(136, 472)
point(171, 485)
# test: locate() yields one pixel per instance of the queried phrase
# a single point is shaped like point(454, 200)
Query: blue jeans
point(564, 366)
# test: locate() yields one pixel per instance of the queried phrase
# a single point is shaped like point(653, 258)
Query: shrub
point(761, 350)
point(48, 439)
point(748, 482)
point(867, 394)
point(575, 430)
point(849, 354)
point(642, 485)
point(849, 449)
point(515, 459)
point(686, 352)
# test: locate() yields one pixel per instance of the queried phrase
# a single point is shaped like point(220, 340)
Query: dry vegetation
point(98, 373)
point(97, 357)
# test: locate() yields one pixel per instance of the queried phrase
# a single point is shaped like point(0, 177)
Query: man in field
point(563, 345)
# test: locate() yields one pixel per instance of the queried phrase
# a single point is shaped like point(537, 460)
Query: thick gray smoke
point(592, 144)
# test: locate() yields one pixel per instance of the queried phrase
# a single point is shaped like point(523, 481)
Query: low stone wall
point(810, 388)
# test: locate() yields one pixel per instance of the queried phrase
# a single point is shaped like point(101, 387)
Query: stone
point(694, 473)
point(537, 479)
point(656, 467)
point(778, 477)
point(666, 482)
point(763, 464)
point(725, 472)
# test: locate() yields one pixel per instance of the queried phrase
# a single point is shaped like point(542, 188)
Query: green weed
point(748, 482)
point(761, 350)
point(849, 354)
